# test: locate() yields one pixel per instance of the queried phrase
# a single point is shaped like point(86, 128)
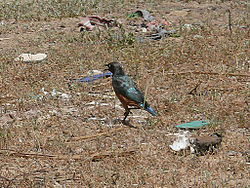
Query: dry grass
point(48, 141)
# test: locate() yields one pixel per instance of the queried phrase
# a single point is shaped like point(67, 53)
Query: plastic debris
point(193, 124)
point(232, 153)
point(91, 72)
point(188, 27)
point(182, 141)
point(92, 78)
point(207, 143)
point(90, 21)
point(26, 57)
point(54, 93)
point(44, 92)
point(200, 144)
point(133, 15)
point(162, 32)
point(146, 15)
point(154, 24)
point(1, 39)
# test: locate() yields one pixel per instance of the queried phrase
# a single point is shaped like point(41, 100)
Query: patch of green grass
point(44, 10)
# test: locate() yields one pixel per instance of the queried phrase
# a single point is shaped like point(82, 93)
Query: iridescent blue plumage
point(127, 91)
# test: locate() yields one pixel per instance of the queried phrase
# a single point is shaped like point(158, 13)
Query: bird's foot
point(127, 123)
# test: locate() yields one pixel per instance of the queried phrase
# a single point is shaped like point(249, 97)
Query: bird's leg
point(126, 115)
point(134, 108)
point(128, 111)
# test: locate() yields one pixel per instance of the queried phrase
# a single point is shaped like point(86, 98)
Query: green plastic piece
point(175, 35)
point(193, 124)
point(133, 15)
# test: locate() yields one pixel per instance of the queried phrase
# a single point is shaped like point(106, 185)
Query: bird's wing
point(125, 86)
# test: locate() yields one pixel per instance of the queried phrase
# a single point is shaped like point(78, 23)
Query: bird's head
point(115, 68)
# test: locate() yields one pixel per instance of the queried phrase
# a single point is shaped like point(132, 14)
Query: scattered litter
point(1, 39)
point(133, 15)
point(54, 93)
point(68, 109)
point(207, 143)
point(198, 144)
point(197, 37)
point(90, 21)
point(153, 24)
point(92, 78)
point(103, 95)
point(144, 30)
point(162, 32)
point(211, 8)
point(26, 57)
point(53, 112)
point(91, 72)
point(197, 24)
point(140, 39)
point(232, 153)
point(145, 14)
point(92, 104)
point(97, 119)
point(193, 124)
point(65, 96)
point(243, 27)
point(187, 27)
point(44, 92)
point(182, 141)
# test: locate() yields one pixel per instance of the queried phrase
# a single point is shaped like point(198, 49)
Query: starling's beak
point(107, 68)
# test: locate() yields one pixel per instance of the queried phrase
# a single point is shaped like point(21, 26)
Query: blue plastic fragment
point(193, 124)
point(92, 78)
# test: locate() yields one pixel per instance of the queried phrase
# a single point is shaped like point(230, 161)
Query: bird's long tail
point(151, 111)
point(148, 109)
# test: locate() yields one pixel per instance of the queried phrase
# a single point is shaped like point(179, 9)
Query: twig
point(24, 175)
point(229, 21)
point(149, 81)
point(210, 73)
point(193, 91)
point(107, 133)
point(112, 155)
point(35, 155)
point(94, 157)
point(1, 177)
point(1, 39)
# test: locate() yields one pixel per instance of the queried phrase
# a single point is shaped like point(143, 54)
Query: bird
point(127, 91)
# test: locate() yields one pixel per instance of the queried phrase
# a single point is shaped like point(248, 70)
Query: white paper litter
point(182, 141)
point(31, 57)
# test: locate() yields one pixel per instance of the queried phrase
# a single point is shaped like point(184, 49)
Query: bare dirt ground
point(48, 139)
